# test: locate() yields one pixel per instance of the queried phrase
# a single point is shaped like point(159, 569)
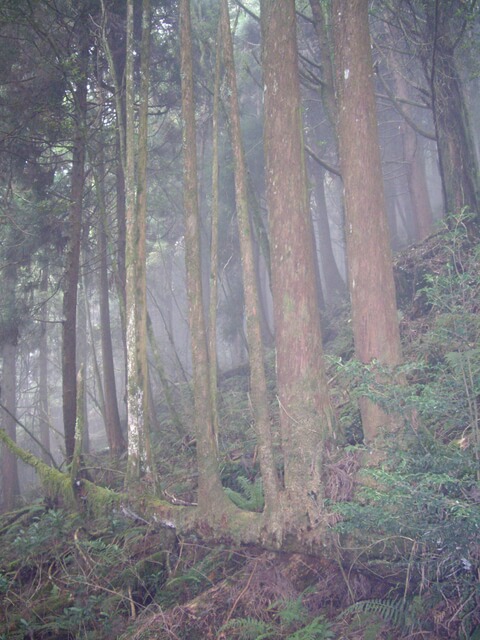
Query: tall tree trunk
point(334, 284)
point(83, 353)
point(326, 66)
point(43, 374)
point(116, 56)
point(457, 159)
point(113, 429)
point(258, 382)
point(10, 483)
point(305, 410)
point(175, 414)
point(210, 492)
point(140, 460)
point(413, 157)
point(417, 182)
point(370, 273)
point(262, 270)
point(213, 288)
point(72, 267)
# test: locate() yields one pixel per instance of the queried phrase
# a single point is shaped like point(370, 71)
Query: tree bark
point(215, 211)
point(113, 429)
point(43, 374)
point(72, 267)
point(258, 381)
point(10, 483)
point(210, 492)
point(335, 287)
point(370, 273)
point(413, 157)
point(83, 357)
point(457, 159)
point(140, 461)
point(305, 411)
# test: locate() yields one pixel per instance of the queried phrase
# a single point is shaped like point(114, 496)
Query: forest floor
point(63, 578)
point(65, 575)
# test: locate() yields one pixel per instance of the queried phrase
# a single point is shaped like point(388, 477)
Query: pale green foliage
point(318, 629)
point(424, 499)
point(392, 611)
point(289, 620)
point(292, 617)
point(60, 579)
point(251, 498)
point(250, 629)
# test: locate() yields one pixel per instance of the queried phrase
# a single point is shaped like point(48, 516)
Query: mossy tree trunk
point(10, 483)
point(370, 272)
point(335, 286)
point(210, 492)
point(258, 382)
point(115, 51)
point(305, 410)
point(43, 405)
point(140, 461)
point(113, 429)
point(215, 213)
point(72, 268)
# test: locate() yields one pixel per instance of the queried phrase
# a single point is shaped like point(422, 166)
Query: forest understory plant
point(419, 511)
point(423, 502)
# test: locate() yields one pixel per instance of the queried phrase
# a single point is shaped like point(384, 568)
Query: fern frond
point(251, 498)
point(250, 628)
point(318, 629)
point(392, 611)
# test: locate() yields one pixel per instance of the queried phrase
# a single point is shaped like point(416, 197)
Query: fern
point(250, 629)
point(293, 612)
point(392, 611)
point(251, 498)
point(318, 629)
point(108, 554)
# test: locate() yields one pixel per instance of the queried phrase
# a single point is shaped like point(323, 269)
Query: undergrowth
point(415, 517)
point(422, 504)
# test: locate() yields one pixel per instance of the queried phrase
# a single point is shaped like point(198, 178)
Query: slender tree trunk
point(10, 483)
point(413, 155)
point(8, 387)
point(457, 159)
point(370, 273)
point(305, 410)
point(83, 353)
point(116, 56)
point(417, 182)
point(121, 274)
point(169, 399)
point(120, 255)
point(43, 374)
point(334, 284)
point(262, 271)
point(213, 299)
point(210, 490)
point(72, 268)
point(100, 398)
point(326, 66)
point(139, 450)
point(258, 382)
point(113, 429)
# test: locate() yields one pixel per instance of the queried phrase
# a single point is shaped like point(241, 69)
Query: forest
point(239, 319)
